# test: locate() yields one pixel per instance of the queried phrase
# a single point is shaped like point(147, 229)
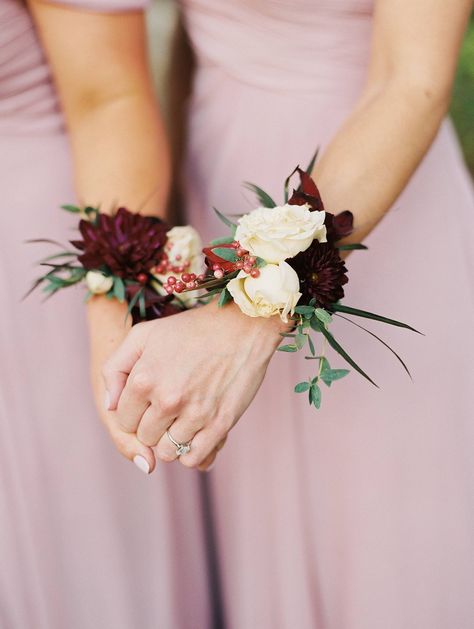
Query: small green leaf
point(311, 345)
point(302, 387)
point(304, 310)
point(71, 208)
point(287, 348)
point(259, 262)
point(351, 247)
point(119, 289)
point(323, 315)
point(264, 198)
point(224, 298)
point(300, 340)
point(222, 241)
point(226, 254)
point(325, 366)
point(330, 375)
point(316, 395)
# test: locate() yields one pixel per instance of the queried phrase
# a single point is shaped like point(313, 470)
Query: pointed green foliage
point(222, 241)
point(264, 198)
point(315, 395)
point(224, 298)
point(370, 315)
point(311, 345)
point(342, 352)
point(323, 315)
point(71, 208)
point(305, 310)
point(225, 220)
point(300, 340)
point(310, 166)
point(352, 247)
point(328, 376)
point(119, 289)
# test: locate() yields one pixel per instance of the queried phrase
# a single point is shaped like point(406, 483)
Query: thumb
point(119, 365)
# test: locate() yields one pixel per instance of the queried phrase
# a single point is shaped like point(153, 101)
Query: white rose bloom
point(185, 242)
point(98, 283)
point(274, 291)
point(279, 233)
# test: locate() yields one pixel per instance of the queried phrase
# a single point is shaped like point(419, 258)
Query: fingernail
point(107, 400)
point(141, 463)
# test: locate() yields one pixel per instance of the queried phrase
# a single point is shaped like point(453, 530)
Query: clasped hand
point(193, 374)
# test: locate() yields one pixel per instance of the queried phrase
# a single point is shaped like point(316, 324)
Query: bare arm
point(118, 141)
point(376, 151)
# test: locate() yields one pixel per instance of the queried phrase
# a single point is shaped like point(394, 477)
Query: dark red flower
point(322, 274)
point(338, 225)
point(128, 244)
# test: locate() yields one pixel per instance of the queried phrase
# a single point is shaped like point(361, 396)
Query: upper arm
point(418, 42)
point(95, 57)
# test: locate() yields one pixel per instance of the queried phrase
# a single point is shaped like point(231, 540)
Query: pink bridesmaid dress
point(86, 540)
point(361, 515)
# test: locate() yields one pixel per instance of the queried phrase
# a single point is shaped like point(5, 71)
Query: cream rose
point(184, 243)
point(274, 291)
point(279, 233)
point(98, 283)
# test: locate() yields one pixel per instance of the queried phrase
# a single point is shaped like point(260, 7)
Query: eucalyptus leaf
point(287, 348)
point(222, 241)
point(300, 340)
point(264, 198)
point(224, 219)
point(330, 375)
point(224, 298)
point(351, 247)
point(71, 208)
point(229, 255)
point(301, 387)
point(316, 395)
point(323, 315)
point(311, 345)
point(304, 310)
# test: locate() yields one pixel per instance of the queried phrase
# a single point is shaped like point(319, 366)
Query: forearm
point(121, 155)
point(376, 151)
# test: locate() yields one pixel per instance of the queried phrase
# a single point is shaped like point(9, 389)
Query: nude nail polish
point(141, 463)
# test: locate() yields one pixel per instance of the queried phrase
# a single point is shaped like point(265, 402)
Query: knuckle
point(141, 382)
point(168, 403)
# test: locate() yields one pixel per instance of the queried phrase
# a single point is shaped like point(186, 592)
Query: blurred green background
point(462, 108)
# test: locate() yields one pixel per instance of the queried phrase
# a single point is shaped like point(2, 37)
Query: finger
point(183, 431)
point(153, 426)
point(130, 447)
point(134, 399)
point(117, 368)
point(203, 444)
point(208, 462)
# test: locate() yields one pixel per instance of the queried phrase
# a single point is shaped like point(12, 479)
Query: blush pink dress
point(86, 540)
point(361, 515)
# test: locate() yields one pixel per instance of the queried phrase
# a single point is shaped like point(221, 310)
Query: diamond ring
point(181, 448)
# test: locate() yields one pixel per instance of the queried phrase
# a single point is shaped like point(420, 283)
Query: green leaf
point(224, 298)
point(370, 315)
point(119, 289)
point(316, 395)
point(310, 166)
point(142, 305)
point(300, 340)
point(330, 375)
point(325, 366)
point(259, 262)
point(222, 241)
point(304, 310)
point(311, 345)
point(357, 245)
point(323, 315)
point(287, 348)
point(226, 254)
point(132, 303)
point(378, 339)
point(71, 208)
point(264, 198)
point(335, 345)
point(224, 219)
point(301, 387)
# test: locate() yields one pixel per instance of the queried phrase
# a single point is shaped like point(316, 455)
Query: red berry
point(178, 257)
point(255, 272)
point(201, 277)
point(239, 264)
point(241, 252)
point(247, 268)
point(192, 277)
point(185, 277)
point(251, 259)
point(235, 244)
point(142, 278)
point(179, 287)
point(219, 274)
point(171, 280)
point(169, 289)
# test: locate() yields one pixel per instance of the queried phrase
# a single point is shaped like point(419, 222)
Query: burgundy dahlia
point(127, 244)
point(322, 274)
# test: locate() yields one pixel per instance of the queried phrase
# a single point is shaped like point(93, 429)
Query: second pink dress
point(361, 515)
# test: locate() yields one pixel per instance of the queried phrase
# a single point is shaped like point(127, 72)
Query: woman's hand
point(194, 373)
point(108, 328)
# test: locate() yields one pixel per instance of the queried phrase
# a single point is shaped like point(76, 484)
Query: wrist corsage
point(129, 257)
point(285, 260)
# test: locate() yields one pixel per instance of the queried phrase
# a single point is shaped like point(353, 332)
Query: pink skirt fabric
point(361, 515)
